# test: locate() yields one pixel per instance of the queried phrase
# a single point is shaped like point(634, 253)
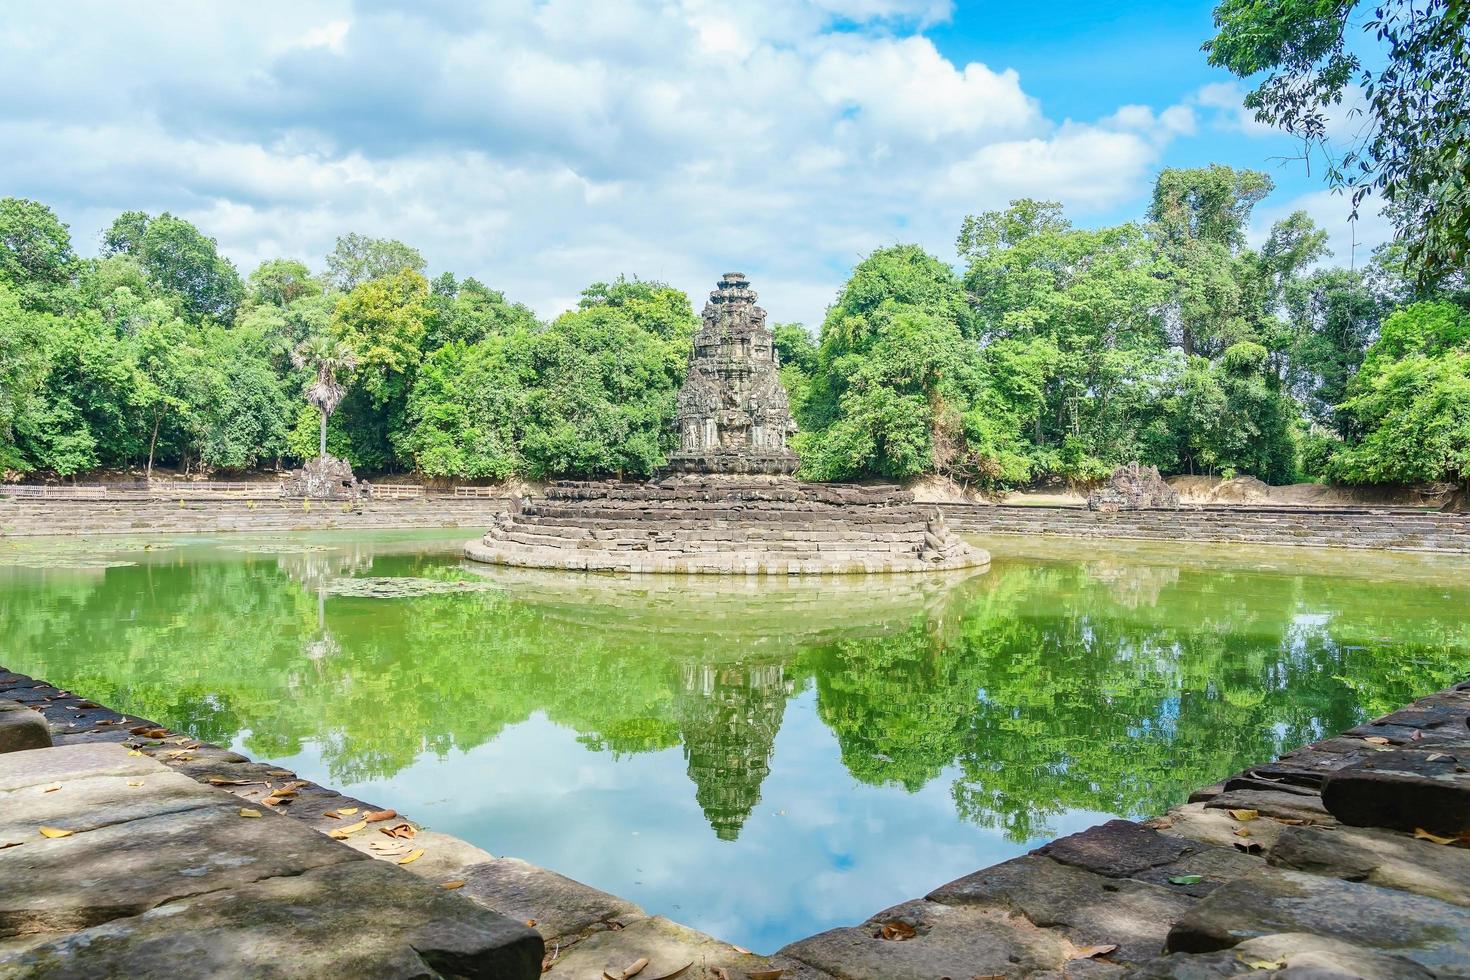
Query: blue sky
point(539, 145)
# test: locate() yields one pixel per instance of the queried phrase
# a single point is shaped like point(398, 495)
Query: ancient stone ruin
point(732, 414)
point(727, 502)
point(325, 478)
point(1133, 487)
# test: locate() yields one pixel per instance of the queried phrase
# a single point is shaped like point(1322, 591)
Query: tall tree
point(35, 251)
point(328, 359)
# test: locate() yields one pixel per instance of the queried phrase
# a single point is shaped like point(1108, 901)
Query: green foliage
point(357, 259)
point(36, 259)
point(1412, 401)
point(179, 259)
point(1411, 150)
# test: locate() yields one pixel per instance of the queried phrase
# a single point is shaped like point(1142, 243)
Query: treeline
point(1058, 352)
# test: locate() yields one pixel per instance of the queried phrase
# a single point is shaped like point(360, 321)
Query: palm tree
point(328, 357)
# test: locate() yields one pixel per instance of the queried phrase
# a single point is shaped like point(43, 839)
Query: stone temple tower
point(732, 413)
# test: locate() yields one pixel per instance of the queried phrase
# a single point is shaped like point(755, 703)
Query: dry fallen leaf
point(450, 886)
point(135, 752)
point(281, 772)
point(332, 815)
point(531, 923)
point(1088, 952)
point(631, 970)
point(1245, 816)
point(55, 832)
point(1262, 964)
point(1376, 740)
point(249, 813)
point(135, 782)
point(341, 833)
point(377, 816)
point(52, 788)
point(1242, 831)
point(222, 781)
point(1421, 834)
point(348, 811)
point(413, 856)
point(897, 931)
point(403, 830)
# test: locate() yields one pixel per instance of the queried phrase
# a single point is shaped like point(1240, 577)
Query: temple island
point(727, 502)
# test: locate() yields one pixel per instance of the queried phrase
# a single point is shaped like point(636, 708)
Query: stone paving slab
point(134, 852)
point(22, 728)
point(1431, 933)
point(1377, 857)
point(1287, 956)
point(560, 907)
point(1405, 789)
point(949, 940)
point(667, 946)
point(354, 919)
point(1087, 908)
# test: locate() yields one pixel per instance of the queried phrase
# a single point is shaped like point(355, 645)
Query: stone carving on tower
point(732, 412)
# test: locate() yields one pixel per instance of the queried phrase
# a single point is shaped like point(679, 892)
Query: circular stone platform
point(725, 525)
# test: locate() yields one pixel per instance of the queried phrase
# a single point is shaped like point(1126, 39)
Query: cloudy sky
point(539, 145)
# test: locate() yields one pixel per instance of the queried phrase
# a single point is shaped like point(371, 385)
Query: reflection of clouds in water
point(819, 850)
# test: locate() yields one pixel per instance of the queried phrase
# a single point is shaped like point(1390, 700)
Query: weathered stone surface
point(1285, 956)
point(1133, 487)
point(361, 919)
point(325, 478)
point(1403, 790)
point(1273, 803)
point(132, 867)
point(1089, 909)
point(91, 802)
point(19, 769)
point(667, 945)
point(1434, 934)
point(21, 728)
point(732, 414)
point(1117, 849)
point(1384, 858)
point(1197, 822)
point(559, 906)
point(950, 940)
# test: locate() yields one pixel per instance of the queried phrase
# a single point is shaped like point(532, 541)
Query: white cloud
point(542, 144)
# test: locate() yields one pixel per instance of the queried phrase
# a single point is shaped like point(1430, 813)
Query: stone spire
point(732, 414)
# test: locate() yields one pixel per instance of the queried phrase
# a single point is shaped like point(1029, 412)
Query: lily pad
point(369, 587)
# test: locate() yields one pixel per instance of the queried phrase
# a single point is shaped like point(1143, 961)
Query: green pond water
point(758, 758)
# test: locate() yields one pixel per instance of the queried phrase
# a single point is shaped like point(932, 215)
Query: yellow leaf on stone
point(412, 856)
point(1245, 816)
point(249, 813)
point(1421, 834)
point(1376, 740)
point(450, 886)
point(343, 832)
point(52, 788)
point(135, 782)
point(134, 752)
point(347, 811)
point(1263, 964)
point(54, 832)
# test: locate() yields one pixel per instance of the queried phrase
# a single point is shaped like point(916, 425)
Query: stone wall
point(1378, 528)
point(21, 517)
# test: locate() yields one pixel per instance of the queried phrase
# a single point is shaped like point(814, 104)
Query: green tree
point(36, 259)
point(1411, 401)
point(280, 282)
point(357, 259)
point(328, 358)
point(178, 258)
point(1414, 73)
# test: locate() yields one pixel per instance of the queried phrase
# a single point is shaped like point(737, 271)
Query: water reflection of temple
point(728, 719)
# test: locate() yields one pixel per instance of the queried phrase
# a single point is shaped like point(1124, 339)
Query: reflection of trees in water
point(1037, 688)
point(728, 719)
